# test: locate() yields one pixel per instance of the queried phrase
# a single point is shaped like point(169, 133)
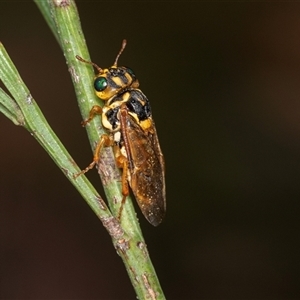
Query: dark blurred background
point(224, 84)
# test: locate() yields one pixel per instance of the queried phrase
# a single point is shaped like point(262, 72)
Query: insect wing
point(147, 169)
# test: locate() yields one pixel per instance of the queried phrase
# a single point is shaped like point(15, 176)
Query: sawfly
point(127, 117)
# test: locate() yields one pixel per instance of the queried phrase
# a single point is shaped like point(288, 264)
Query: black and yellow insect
point(127, 117)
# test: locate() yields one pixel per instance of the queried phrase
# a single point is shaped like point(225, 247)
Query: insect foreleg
point(96, 110)
point(105, 141)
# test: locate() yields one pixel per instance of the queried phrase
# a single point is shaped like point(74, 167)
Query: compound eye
point(100, 84)
point(130, 72)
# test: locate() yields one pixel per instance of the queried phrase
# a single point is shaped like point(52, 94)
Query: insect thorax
point(136, 104)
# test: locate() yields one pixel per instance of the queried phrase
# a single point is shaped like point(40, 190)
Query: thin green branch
point(132, 248)
point(10, 109)
point(43, 6)
point(30, 117)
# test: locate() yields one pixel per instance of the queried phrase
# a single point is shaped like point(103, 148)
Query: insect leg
point(105, 141)
point(96, 110)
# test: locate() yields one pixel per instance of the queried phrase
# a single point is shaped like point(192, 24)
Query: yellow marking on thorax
point(118, 81)
point(146, 124)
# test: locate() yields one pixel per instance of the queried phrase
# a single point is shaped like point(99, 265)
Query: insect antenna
point(124, 42)
point(90, 63)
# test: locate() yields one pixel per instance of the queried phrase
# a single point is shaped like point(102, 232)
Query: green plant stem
point(10, 109)
point(127, 238)
point(27, 114)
